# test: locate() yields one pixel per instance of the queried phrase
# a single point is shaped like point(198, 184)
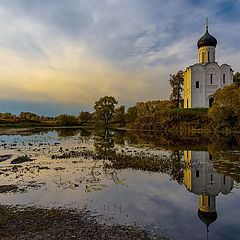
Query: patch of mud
point(8, 188)
point(5, 157)
point(21, 159)
point(36, 223)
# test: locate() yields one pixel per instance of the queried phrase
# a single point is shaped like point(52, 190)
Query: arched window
point(197, 173)
point(208, 56)
point(208, 201)
point(211, 102)
point(197, 84)
point(224, 78)
point(211, 78)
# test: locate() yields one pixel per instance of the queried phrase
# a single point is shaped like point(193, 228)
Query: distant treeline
point(164, 115)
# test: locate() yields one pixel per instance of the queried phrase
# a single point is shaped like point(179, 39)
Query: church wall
point(187, 88)
point(225, 69)
point(202, 178)
point(210, 77)
point(213, 81)
point(198, 172)
point(198, 92)
point(227, 184)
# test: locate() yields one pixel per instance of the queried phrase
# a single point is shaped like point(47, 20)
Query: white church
point(202, 79)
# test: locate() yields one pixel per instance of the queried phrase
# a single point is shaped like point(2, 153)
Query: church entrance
point(211, 100)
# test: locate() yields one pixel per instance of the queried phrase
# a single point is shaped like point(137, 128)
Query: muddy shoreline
point(37, 223)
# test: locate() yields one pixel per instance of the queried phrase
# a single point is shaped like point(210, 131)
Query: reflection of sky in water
point(146, 198)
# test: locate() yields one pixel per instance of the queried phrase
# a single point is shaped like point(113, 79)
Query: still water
point(180, 189)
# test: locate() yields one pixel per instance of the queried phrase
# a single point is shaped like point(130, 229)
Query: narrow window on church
point(223, 78)
point(187, 103)
point(211, 179)
point(208, 57)
point(197, 84)
point(208, 201)
point(224, 180)
point(197, 173)
point(211, 78)
point(203, 57)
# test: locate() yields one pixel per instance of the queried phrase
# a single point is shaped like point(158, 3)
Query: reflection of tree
point(104, 143)
point(228, 163)
point(189, 141)
point(171, 165)
point(176, 166)
point(70, 132)
point(119, 137)
point(224, 143)
point(85, 133)
point(67, 132)
point(226, 156)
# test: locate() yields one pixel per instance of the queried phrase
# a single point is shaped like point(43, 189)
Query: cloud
point(75, 51)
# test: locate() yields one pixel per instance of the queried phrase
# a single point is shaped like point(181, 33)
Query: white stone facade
point(202, 79)
point(203, 177)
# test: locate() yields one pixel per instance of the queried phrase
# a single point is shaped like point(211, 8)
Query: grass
point(187, 110)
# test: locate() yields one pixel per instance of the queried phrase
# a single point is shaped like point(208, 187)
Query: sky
point(60, 56)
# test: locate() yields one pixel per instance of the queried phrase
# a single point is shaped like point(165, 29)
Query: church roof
point(207, 40)
point(207, 217)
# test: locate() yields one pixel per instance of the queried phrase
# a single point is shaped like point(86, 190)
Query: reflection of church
point(202, 179)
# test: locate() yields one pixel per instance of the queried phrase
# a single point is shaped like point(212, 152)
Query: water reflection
point(201, 178)
point(131, 169)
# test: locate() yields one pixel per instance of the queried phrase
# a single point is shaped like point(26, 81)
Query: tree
point(132, 114)
point(236, 78)
point(29, 116)
point(104, 108)
point(225, 111)
point(176, 81)
point(6, 115)
point(84, 117)
point(120, 115)
point(67, 120)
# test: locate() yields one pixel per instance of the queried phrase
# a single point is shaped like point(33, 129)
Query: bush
point(67, 120)
point(225, 112)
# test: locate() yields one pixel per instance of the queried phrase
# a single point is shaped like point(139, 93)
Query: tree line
point(225, 112)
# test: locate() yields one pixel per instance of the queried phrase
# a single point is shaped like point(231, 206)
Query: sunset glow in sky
point(60, 56)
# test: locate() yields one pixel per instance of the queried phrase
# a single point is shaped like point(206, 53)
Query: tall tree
point(132, 114)
point(104, 108)
point(120, 115)
point(84, 117)
point(176, 81)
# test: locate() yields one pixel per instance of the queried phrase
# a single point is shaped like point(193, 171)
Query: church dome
point(207, 217)
point(207, 40)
